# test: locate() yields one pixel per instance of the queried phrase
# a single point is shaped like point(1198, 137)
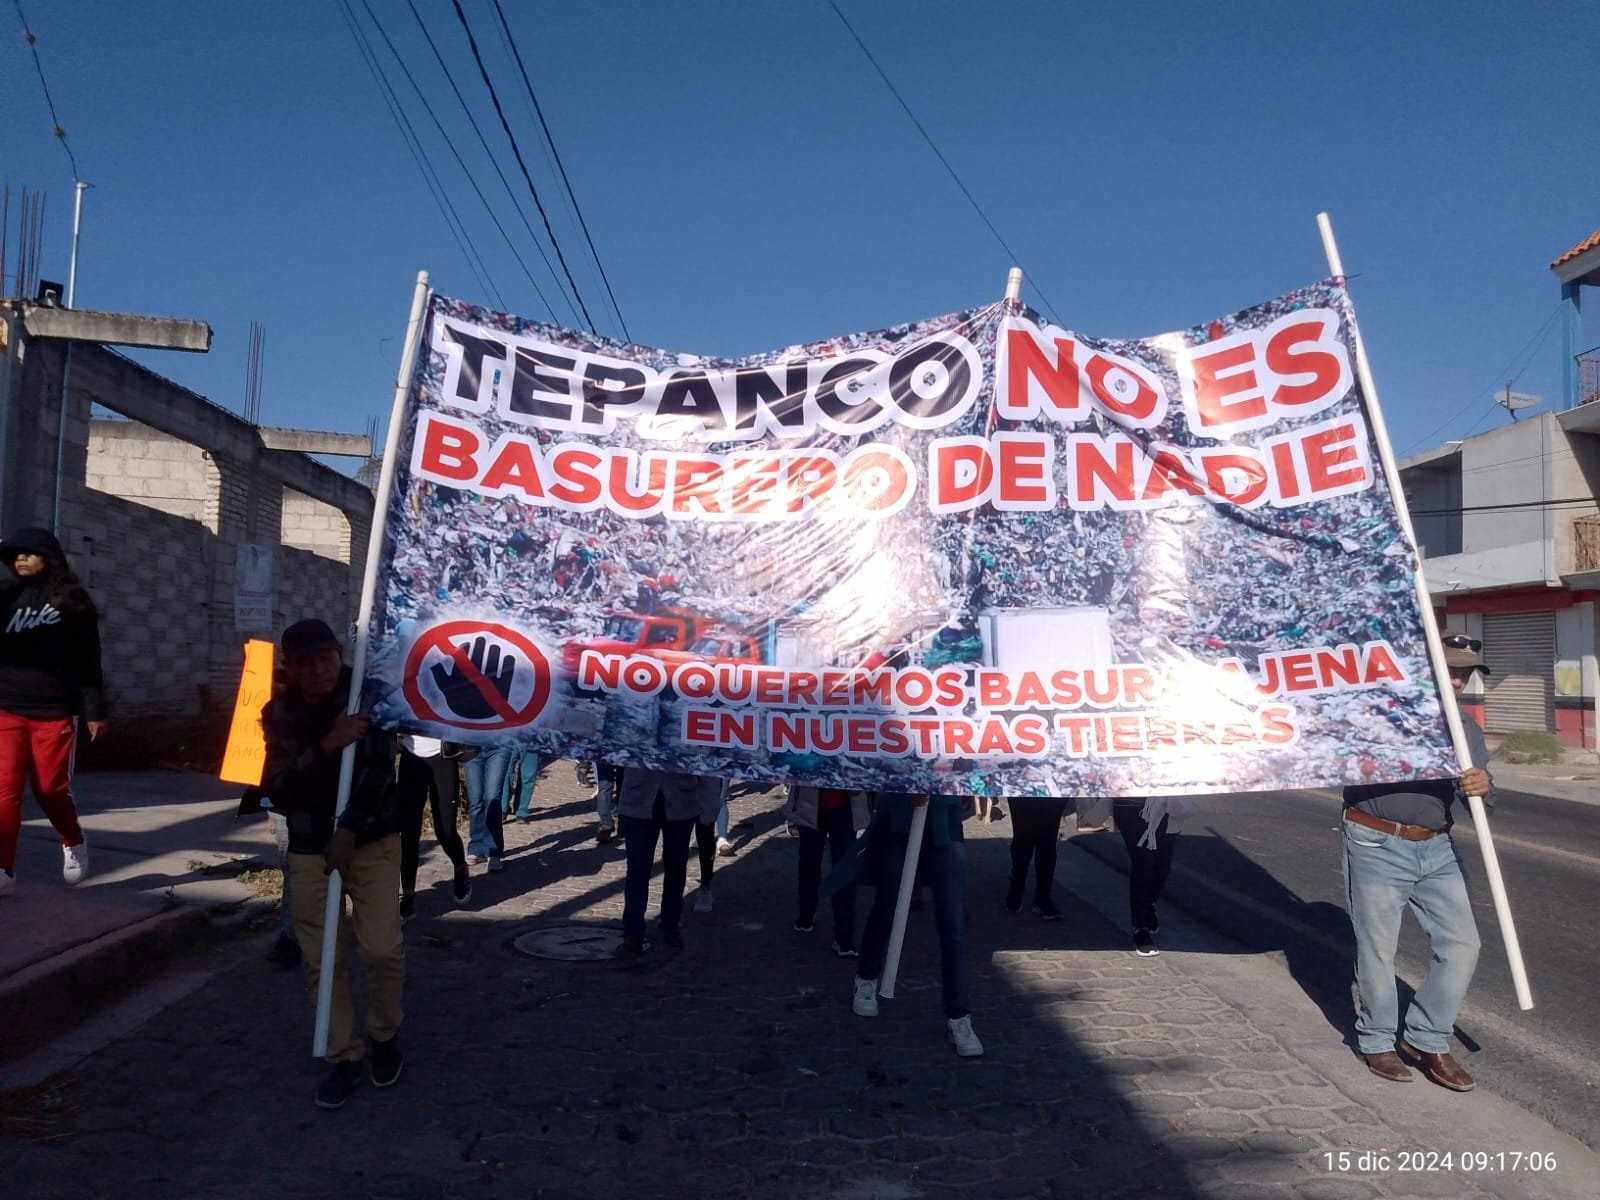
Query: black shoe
point(336, 1086)
point(1144, 943)
point(386, 1062)
point(803, 926)
point(843, 951)
point(1046, 908)
point(1013, 900)
point(671, 938)
point(603, 836)
point(285, 952)
point(632, 949)
point(461, 888)
point(408, 906)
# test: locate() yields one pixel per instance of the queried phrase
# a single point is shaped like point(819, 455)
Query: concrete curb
point(49, 998)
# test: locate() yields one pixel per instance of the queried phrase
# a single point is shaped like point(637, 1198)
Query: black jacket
point(49, 660)
point(302, 782)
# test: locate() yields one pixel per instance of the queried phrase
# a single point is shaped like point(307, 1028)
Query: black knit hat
point(31, 541)
point(307, 637)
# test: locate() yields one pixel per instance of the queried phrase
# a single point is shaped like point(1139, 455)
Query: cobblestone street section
point(733, 1068)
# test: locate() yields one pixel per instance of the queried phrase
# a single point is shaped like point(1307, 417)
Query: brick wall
point(146, 466)
point(152, 520)
point(309, 524)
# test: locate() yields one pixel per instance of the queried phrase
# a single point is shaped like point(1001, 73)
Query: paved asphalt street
point(1266, 869)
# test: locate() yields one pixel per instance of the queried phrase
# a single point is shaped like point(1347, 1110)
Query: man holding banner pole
point(334, 903)
point(1450, 669)
point(307, 734)
point(1398, 854)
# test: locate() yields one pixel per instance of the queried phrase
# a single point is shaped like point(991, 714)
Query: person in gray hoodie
point(651, 806)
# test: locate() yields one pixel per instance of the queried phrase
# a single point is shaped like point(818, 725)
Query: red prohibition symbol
point(481, 666)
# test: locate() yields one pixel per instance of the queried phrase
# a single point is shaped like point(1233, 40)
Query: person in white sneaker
point(50, 679)
point(943, 862)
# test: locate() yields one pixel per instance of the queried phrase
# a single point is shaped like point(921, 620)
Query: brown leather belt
point(1411, 833)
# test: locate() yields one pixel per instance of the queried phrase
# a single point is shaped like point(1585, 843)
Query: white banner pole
point(919, 816)
point(358, 663)
point(1447, 695)
point(902, 907)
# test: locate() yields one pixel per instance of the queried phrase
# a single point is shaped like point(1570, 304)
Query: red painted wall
point(1518, 600)
point(1575, 726)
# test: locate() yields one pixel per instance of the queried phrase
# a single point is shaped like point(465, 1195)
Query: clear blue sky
point(750, 182)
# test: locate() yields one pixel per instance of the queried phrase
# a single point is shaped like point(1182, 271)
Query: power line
point(1570, 500)
point(408, 136)
point(494, 161)
point(57, 128)
point(460, 162)
point(1527, 362)
point(517, 150)
point(1539, 336)
point(927, 137)
point(544, 150)
point(419, 155)
point(560, 166)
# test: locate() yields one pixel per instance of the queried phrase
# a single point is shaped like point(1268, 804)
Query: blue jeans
point(945, 868)
point(486, 780)
point(1383, 875)
point(280, 839)
point(518, 798)
point(606, 780)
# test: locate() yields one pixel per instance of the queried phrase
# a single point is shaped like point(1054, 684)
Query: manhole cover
point(569, 943)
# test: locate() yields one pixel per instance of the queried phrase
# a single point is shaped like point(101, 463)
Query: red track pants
point(36, 750)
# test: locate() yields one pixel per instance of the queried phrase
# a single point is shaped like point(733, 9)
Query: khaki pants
point(372, 914)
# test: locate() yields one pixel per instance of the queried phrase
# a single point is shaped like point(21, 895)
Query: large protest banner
point(977, 553)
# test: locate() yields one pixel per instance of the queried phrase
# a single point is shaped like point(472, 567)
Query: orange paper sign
point(247, 749)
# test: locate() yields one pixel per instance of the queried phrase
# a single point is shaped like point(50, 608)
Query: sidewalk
point(1575, 777)
point(735, 1068)
point(166, 852)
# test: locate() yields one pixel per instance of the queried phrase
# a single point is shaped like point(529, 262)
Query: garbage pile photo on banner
point(977, 553)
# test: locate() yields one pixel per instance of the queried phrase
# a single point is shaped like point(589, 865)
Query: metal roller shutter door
point(1520, 649)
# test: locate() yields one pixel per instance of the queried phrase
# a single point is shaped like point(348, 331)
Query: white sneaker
point(865, 1001)
point(8, 881)
point(966, 1041)
point(75, 863)
point(724, 847)
point(702, 900)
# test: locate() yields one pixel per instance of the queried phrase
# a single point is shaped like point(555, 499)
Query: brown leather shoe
point(1443, 1069)
point(1387, 1065)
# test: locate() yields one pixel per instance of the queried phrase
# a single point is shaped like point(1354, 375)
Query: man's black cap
point(307, 637)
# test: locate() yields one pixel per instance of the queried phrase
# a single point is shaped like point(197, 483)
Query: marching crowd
point(1397, 851)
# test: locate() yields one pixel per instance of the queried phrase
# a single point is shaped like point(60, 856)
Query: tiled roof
point(1583, 247)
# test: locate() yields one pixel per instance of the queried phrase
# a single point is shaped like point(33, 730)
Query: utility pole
point(78, 189)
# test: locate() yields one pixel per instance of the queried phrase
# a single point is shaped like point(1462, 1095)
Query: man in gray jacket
point(1397, 854)
point(650, 805)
